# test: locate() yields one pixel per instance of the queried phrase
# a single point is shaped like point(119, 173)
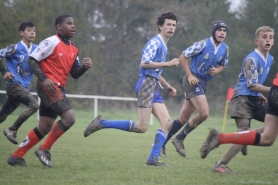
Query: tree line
point(113, 34)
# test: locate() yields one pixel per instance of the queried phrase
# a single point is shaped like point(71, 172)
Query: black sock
point(185, 131)
point(176, 126)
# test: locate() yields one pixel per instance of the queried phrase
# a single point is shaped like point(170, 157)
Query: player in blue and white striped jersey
point(208, 57)
point(148, 90)
point(18, 77)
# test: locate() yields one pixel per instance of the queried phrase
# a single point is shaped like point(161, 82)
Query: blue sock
point(159, 139)
point(185, 131)
point(176, 126)
point(126, 125)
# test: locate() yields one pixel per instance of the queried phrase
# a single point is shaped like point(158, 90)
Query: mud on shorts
point(18, 94)
point(192, 91)
point(247, 107)
point(52, 104)
point(272, 107)
point(148, 92)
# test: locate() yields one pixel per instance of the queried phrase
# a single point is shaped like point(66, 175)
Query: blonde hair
point(263, 29)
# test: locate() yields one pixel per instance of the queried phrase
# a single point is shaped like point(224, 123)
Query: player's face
point(265, 41)
point(67, 28)
point(28, 35)
point(220, 34)
point(168, 28)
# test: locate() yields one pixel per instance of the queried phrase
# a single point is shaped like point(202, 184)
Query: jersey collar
point(26, 47)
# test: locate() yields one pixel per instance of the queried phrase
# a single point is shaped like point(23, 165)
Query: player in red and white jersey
point(55, 58)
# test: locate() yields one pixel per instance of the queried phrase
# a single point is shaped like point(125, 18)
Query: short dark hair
point(60, 19)
point(24, 25)
point(166, 15)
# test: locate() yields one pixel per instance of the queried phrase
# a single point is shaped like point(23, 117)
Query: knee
point(204, 115)
point(70, 120)
point(141, 127)
point(268, 141)
point(34, 106)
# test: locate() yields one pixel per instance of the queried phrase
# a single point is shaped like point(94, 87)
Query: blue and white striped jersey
point(254, 70)
point(17, 63)
point(205, 54)
point(154, 51)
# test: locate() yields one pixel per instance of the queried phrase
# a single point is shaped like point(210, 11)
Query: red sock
point(30, 141)
point(53, 135)
point(243, 138)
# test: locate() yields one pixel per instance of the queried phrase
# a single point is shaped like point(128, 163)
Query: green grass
point(116, 157)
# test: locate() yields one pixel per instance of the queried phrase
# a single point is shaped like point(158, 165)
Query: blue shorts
point(148, 92)
point(192, 91)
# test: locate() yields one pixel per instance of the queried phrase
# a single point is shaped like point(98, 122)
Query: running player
point(248, 102)
point(55, 58)
point(18, 77)
point(209, 57)
point(147, 90)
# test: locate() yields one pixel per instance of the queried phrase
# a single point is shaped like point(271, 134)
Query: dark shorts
point(148, 92)
point(53, 104)
point(192, 91)
point(18, 94)
point(272, 107)
point(247, 107)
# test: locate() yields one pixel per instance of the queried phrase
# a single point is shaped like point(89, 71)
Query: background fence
point(95, 98)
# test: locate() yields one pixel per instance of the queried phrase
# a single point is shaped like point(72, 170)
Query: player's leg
point(201, 106)
point(144, 91)
point(221, 165)
point(160, 112)
point(185, 113)
point(8, 107)
point(26, 98)
point(33, 137)
point(252, 137)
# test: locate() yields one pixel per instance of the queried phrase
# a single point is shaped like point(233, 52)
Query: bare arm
point(260, 88)
point(185, 65)
point(151, 65)
point(172, 91)
point(213, 71)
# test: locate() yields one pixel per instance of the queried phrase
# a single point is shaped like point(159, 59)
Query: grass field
point(116, 157)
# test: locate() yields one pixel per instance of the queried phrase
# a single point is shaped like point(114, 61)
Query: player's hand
point(212, 71)
point(87, 62)
point(8, 76)
point(263, 99)
point(174, 62)
point(193, 80)
point(49, 85)
point(172, 91)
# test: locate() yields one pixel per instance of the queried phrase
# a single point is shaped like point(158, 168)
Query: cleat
point(221, 169)
point(211, 142)
point(44, 156)
point(179, 146)
point(93, 126)
point(244, 150)
point(11, 135)
point(155, 163)
point(162, 152)
point(16, 161)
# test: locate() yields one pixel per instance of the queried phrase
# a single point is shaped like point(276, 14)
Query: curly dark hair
point(166, 15)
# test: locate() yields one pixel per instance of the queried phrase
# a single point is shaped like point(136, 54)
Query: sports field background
point(116, 157)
